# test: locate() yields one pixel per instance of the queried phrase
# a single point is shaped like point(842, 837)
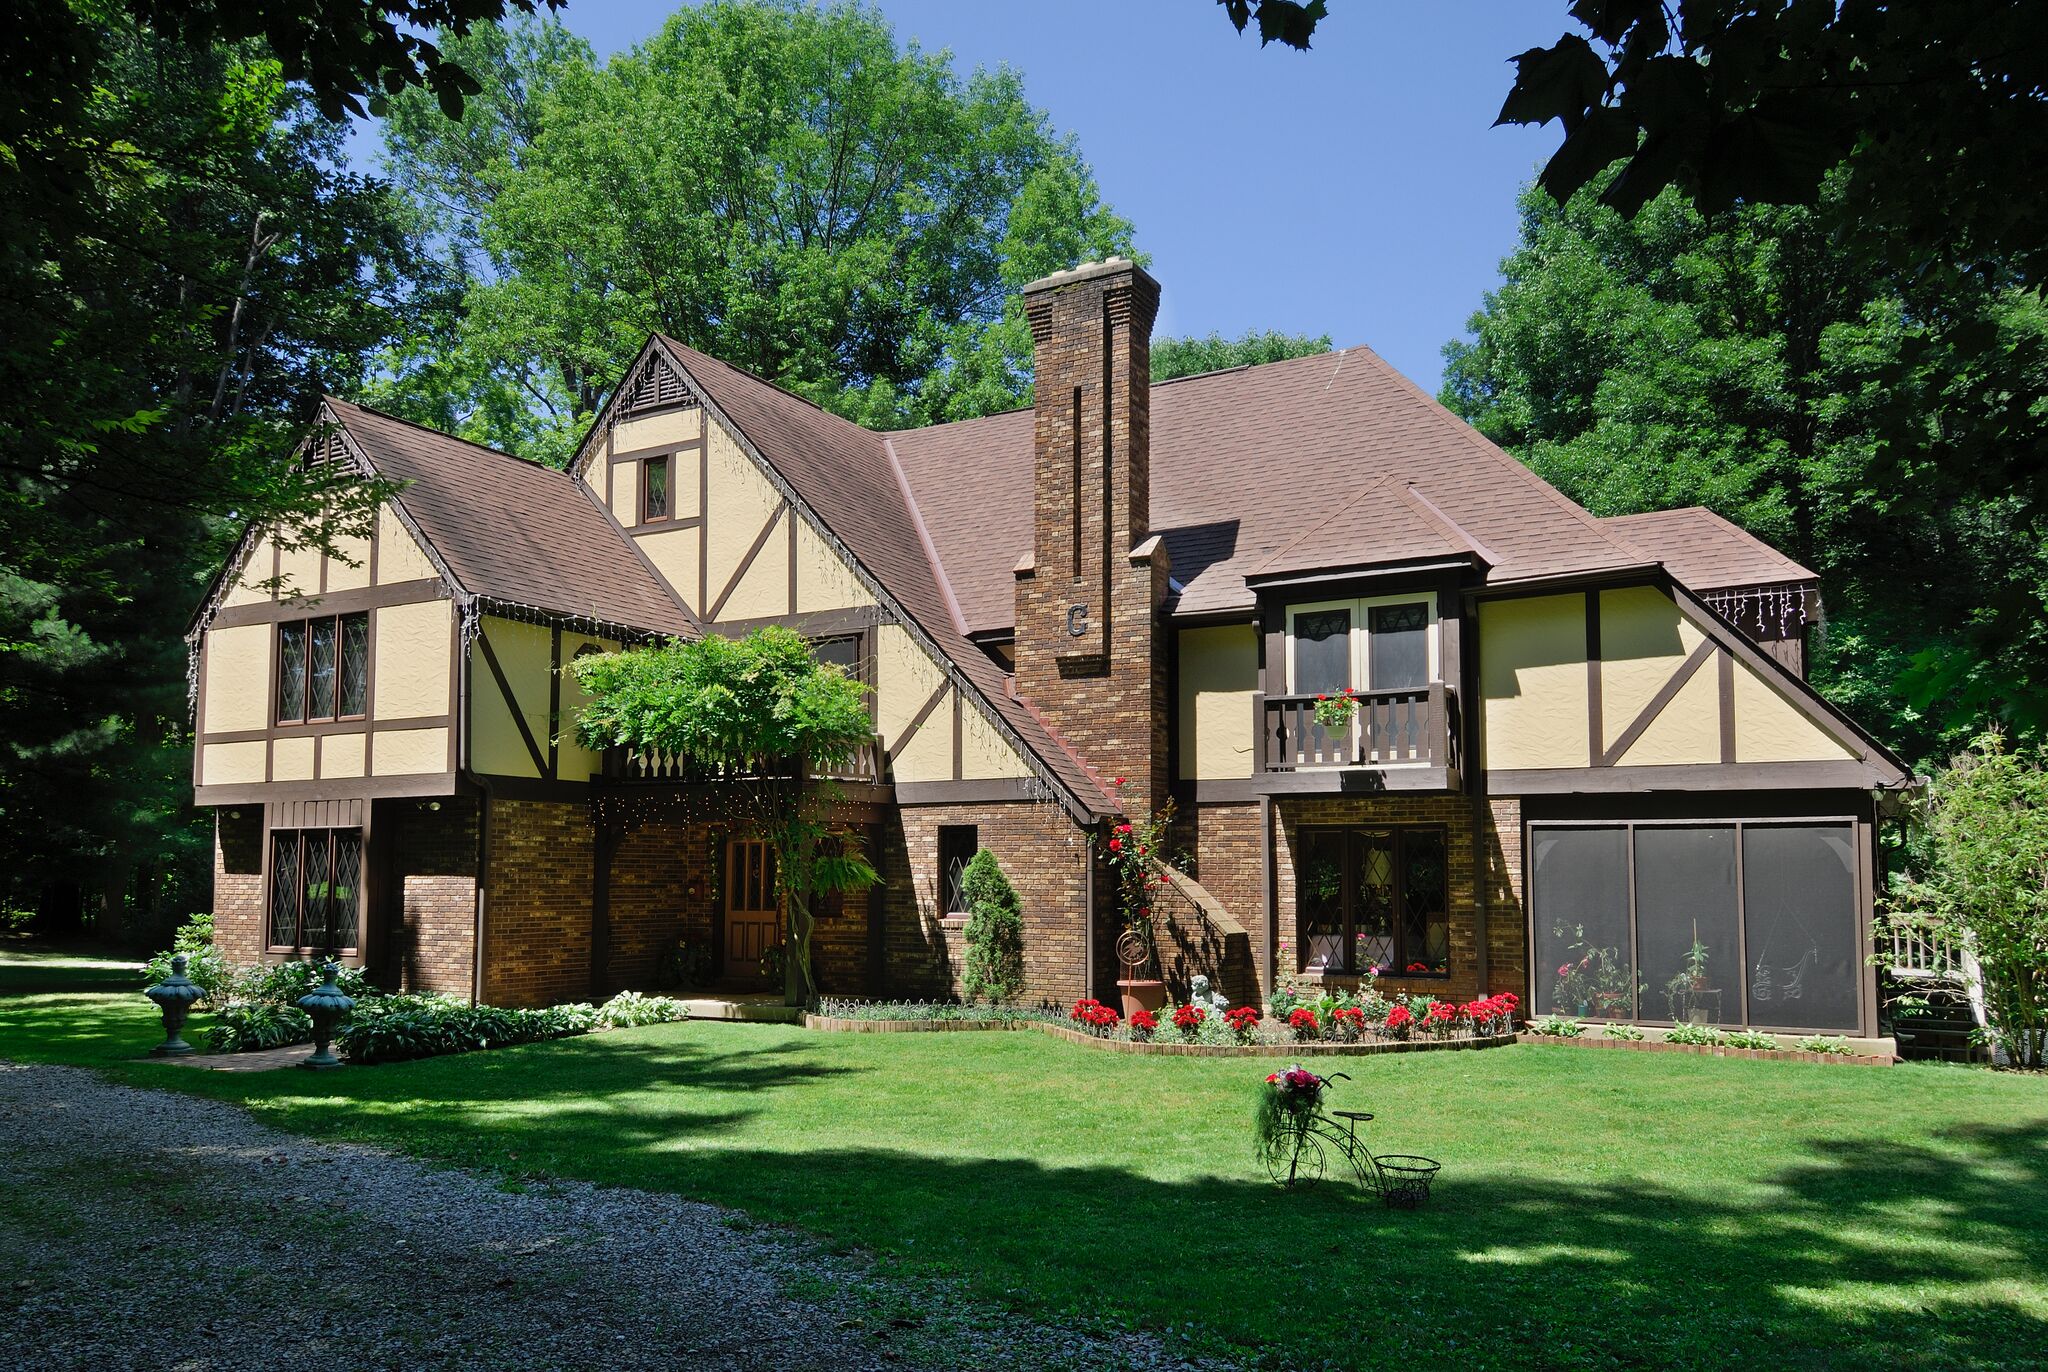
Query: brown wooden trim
point(675, 449)
point(657, 526)
point(1665, 694)
point(540, 761)
point(747, 561)
point(816, 624)
point(1703, 776)
point(554, 702)
point(1320, 781)
point(337, 788)
point(992, 791)
point(917, 720)
point(1596, 727)
point(325, 729)
point(1724, 670)
point(790, 562)
point(534, 788)
point(376, 529)
point(958, 732)
point(1384, 579)
point(337, 603)
point(703, 510)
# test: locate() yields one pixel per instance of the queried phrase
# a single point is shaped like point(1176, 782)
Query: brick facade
point(428, 857)
point(239, 904)
point(539, 864)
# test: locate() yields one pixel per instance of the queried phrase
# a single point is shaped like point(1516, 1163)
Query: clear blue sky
point(1357, 190)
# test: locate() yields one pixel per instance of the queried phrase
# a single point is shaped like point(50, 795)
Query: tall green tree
point(783, 186)
point(1172, 357)
point(176, 299)
point(1757, 363)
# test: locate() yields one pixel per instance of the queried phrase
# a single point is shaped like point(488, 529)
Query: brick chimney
point(1089, 653)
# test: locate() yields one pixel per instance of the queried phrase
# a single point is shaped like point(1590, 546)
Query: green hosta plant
point(282, 983)
point(1628, 1033)
point(204, 966)
point(243, 1026)
point(1751, 1038)
point(1699, 1035)
point(630, 1010)
point(1832, 1044)
point(1557, 1027)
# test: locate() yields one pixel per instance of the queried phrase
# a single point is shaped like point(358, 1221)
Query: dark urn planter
point(174, 996)
point(326, 1006)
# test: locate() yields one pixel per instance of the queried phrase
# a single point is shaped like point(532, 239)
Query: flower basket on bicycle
point(1404, 1179)
point(1296, 1142)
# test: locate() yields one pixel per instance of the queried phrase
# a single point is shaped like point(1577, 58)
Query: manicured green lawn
point(1596, 1209)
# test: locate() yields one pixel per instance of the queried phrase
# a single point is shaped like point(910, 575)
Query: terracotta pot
point(1142, 995)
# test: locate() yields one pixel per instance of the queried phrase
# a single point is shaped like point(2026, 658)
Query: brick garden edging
point(1711, 1050)
point(1197, 1050)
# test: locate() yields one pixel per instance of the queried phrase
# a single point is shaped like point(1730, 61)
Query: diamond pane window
point(355, 663)
point(1373, 919)
point(346, 871)
point(316, 889)
point(1373, 900)
point(315, 865)
point(1425, 928)
point(320, 658)
point(291, 671)
point(284, 890)
point(958, 844)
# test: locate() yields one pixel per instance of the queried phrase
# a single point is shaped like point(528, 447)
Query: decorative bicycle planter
point(1297, 1139)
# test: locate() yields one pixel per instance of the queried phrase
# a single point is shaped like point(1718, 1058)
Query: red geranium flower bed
point(1093, 1014)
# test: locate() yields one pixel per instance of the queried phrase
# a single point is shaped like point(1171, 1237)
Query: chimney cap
point(1089, 271)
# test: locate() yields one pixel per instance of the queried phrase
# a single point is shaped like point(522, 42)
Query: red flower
point(1119, 781)
point(1188, 1018)
point(1303, 1022)
point(1123, 828)
point(1145, 1020)
point(1398, 1017)
point(1116, 845)
point(1320, 696)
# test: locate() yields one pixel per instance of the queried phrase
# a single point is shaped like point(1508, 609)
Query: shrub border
point(1718, 1050)
point(1202, 1050)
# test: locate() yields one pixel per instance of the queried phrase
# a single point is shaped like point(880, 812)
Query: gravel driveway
point(152, 1229)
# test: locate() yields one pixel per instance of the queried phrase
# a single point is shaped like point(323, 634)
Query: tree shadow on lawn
point(1860, 1253)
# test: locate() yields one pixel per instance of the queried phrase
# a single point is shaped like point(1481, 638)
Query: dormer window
point(1374, 643)
point(654, 475)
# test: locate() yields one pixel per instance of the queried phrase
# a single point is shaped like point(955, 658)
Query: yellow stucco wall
point(1532, 681)
point(1219, 675)
point(575, 762)
point(237, 678)
point(823, 579)
point(229, 764)
point(524, 651)
point(256, 569)
point(410, 676)
point(400, 752)
point(1769, 729)
point(904, 679)
point(341, 755)
point(984, 755)
point(1643, 640)
point(1686, 730)
point(674, 555)
point(291, 758)
point(741, 502)
point(399, 555)
point(655, 431)
point(298, 571)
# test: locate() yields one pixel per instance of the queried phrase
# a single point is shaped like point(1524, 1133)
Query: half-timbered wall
point(404, 736)
point(1621, 677)
point(739, 555)
point(523, 703)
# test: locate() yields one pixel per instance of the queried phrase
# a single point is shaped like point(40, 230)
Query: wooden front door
point(752, 924)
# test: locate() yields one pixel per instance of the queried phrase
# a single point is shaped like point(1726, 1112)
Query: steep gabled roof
point(513, 531)
point(847, 478)
point(1705, 551)
point(1243, 463)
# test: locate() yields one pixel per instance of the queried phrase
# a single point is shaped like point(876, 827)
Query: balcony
point(1404, 740)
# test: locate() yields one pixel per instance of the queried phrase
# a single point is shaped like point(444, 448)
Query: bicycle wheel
point(1300, 1167)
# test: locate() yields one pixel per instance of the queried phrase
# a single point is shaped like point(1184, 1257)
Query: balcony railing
point(652, 767)
point(1414, 727)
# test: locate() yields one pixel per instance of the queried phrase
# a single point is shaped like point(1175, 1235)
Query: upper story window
point(323, 668)
point(654, 488)
point(1374, 643)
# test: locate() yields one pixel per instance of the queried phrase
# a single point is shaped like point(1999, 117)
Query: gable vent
point(659, 386)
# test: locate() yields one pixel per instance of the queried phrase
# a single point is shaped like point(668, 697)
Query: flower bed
point(1717, 1050)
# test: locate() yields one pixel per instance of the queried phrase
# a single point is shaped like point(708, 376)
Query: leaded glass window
point(355, 663)
point(323, 668)
point(1322, 651)
point(291, 670)
point(1373, 900)
point(316, 889)
point(1398, 646)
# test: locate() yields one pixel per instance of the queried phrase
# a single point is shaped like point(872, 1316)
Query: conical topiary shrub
point(995, 932)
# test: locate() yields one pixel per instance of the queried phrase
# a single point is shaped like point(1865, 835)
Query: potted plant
point(1335, 713)
point(1135, 848)
point(1689, 992)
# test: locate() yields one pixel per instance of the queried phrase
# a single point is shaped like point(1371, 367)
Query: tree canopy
point(785, 187)
point(1172, 357)
point(1759, 364)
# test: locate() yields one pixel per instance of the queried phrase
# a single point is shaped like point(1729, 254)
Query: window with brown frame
point(958, 843)
point(1373, 899)
point(323, 668)
point(315, 889)
point(654, 484)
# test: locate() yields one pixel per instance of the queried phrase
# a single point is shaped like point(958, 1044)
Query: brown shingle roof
point(1705, 551)
point(513, 530)
point(849, 479)
point(1243, 462)
point(1385, 523)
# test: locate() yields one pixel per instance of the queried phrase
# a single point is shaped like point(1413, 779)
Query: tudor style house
point(1584, 765)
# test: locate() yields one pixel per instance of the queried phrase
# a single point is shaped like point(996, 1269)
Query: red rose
point(1116, 845)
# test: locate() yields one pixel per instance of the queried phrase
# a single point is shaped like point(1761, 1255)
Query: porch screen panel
point(1425, 927)
point(1686, 895)
point(1398, 647)
point(1578, 886)
point(1322, 651)
point(1799, 889)
point(1320, 898)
